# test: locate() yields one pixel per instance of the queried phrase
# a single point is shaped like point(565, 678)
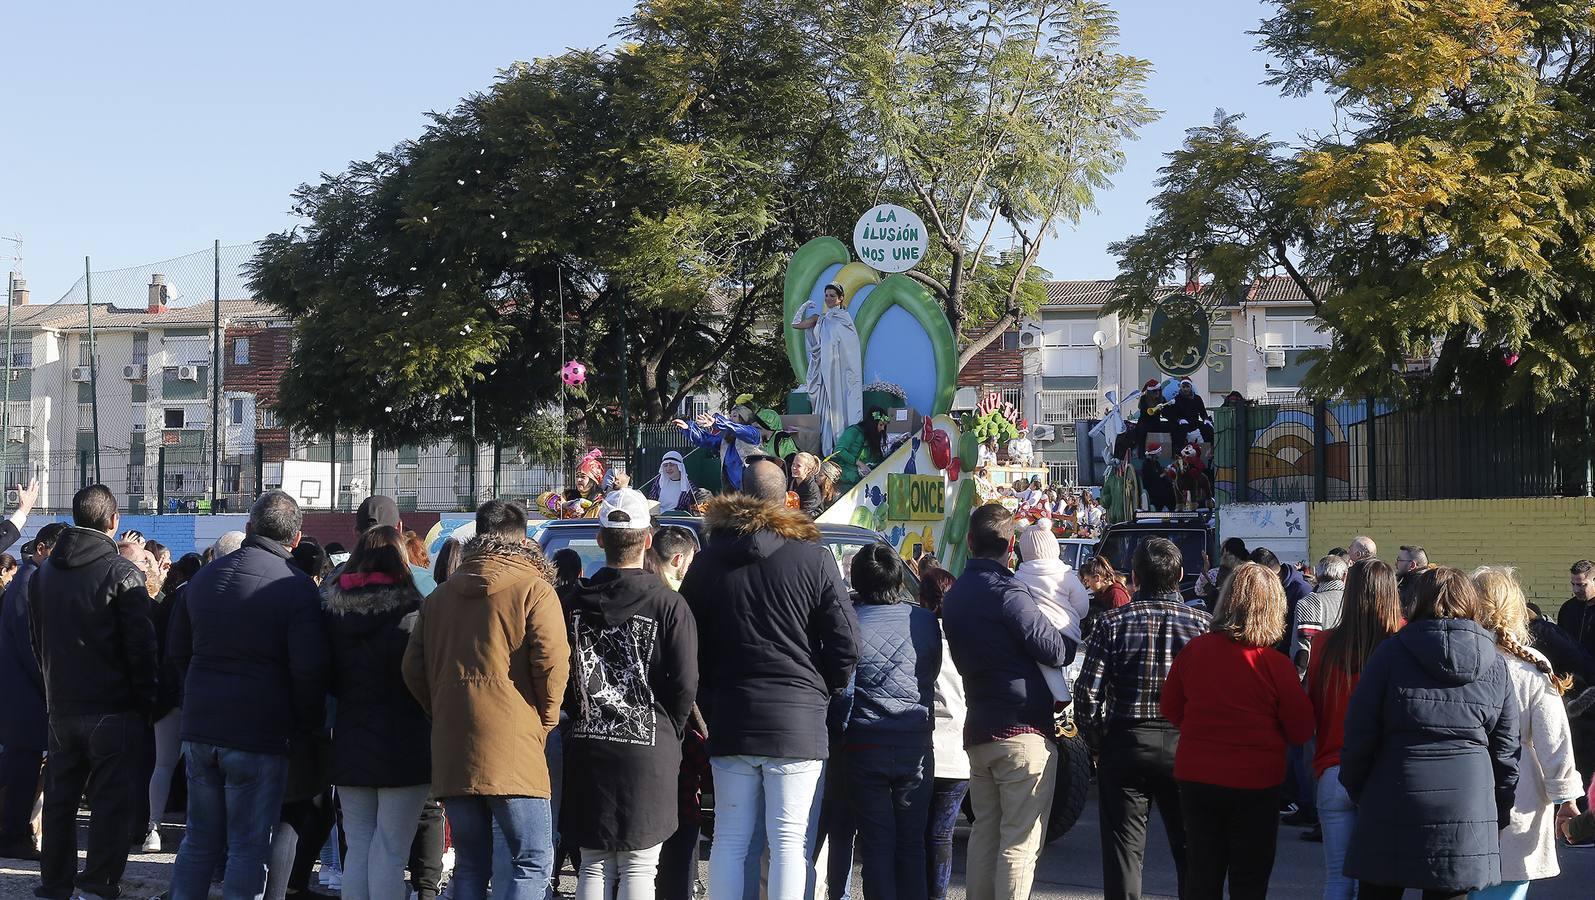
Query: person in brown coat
point(488, 661)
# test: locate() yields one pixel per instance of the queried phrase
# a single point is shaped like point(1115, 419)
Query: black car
point(581, 535)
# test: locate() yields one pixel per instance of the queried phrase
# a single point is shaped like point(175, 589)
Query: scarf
point(354, 580)
point(671, 490)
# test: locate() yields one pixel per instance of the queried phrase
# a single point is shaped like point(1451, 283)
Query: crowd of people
point(1422, 715)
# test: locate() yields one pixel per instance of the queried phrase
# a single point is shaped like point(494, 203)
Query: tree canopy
point(1445, 215)
point(636, 204)
point(998, 121)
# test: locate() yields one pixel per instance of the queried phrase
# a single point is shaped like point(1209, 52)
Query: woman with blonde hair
point(1546, 774)
point(1238, 704)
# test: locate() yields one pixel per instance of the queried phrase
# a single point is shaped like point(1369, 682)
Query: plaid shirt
point(1128, 657)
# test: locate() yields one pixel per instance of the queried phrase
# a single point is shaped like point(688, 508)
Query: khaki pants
point(1010, 790)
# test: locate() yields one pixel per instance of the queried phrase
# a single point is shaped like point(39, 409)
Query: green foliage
point(1448, 218)
point(649, 192)
point(999, 120)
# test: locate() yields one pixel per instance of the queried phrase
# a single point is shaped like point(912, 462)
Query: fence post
point(160, 480)
point(260, 472)
point(1320, 454)
point(216, 429)
point(1373, 448)
point(498, 464)
point(1243, 450)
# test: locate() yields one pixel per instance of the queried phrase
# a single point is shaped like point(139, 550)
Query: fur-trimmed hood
point(744, 515)
point(491, 545)
point(369, 601)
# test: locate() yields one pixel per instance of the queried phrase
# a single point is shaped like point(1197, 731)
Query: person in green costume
point(861, 447)
point(776, 443)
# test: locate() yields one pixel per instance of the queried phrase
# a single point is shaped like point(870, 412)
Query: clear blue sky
point(139, 132)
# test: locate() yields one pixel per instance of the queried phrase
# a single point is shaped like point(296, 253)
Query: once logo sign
point(916, 498)
point(890, 238)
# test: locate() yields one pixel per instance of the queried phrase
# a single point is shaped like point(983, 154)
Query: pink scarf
point(352, 580)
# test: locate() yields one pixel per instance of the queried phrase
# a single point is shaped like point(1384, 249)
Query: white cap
point(628, 501)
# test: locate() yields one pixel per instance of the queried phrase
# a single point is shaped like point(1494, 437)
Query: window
point(1067, 349)
point(241, 352)
point(236, 410)
point(410, 457)
point(83, 350)
point(175, 418)
point(1295, 333)
point(141, 349)
point(174, 482)
point(231, 473)
point(22, 353)
point(266, 417)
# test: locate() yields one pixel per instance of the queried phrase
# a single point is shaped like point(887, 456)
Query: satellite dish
point(1100, 339)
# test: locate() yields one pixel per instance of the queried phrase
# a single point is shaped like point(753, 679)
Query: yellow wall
point(1540, 537)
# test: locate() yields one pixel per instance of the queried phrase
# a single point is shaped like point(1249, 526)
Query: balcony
point(1064, 407)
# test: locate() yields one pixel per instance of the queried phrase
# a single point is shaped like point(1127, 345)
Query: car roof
point(696, 524)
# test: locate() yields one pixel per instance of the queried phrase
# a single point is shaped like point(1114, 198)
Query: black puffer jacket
point(1431, 758)
point(776, 632)
point(90, 619)
point(634, 650)
point(380, 736)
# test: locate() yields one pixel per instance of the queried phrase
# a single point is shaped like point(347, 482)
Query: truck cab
point(1195, 533)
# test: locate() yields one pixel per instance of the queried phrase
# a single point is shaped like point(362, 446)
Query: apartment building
point(1059, 366)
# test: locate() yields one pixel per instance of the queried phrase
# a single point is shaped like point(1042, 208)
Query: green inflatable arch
point(900, 290)
point(802, 272)
point(813, 258)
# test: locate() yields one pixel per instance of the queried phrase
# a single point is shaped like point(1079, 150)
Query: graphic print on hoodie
point(613, 693)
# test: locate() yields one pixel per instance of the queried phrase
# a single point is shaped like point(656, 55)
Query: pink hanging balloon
point(573, 373)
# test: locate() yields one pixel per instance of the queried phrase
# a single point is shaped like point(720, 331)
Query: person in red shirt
point(1237, 703)
point(1371, 612)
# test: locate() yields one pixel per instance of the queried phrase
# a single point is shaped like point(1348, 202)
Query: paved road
point(1071, 869)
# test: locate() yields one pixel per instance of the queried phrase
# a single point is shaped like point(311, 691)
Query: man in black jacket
point(778, 638)
point(90, 618)
point(1577, 618)
point(24, 724)
point(635, 644)
point(252, 639)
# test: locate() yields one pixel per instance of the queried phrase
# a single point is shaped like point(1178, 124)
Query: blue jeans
point(1300, 760)
point(889, 791)
point(946, 804)
point(234, 800)
point(503, 863)
point(528, 834)
point(1336, 814)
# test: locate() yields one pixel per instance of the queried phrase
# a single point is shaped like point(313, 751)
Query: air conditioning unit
point(133, 373)
point(81, 373)
point(147, 504)
point(1274, 359)
point(18, 434)
point(13, 497)
point(1043, 432)
point(1030, 337)
point(188, 373)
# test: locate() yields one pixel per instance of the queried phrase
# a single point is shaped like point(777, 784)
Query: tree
point(633, 204)
point(998, 120)
point(1449, 220)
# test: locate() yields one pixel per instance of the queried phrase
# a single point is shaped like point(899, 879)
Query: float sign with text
point(890, 238)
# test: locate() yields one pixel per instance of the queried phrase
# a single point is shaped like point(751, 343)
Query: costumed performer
point(672, 488)
point(734, 438)
point(836, 368)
